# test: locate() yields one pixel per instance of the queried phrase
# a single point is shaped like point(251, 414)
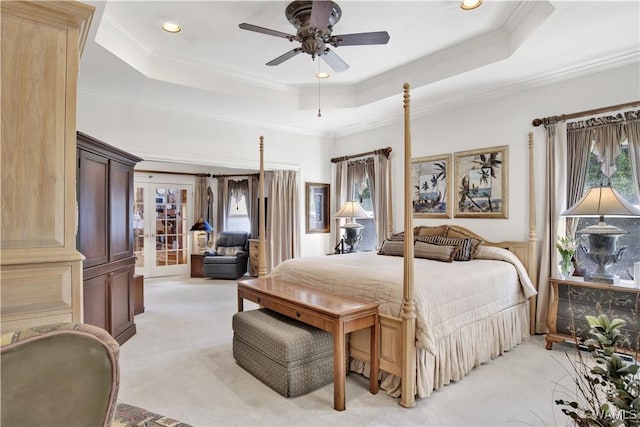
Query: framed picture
point(481, 183)
point(317, 202)
point(431, 182)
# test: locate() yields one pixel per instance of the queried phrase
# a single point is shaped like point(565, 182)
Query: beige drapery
point(222, 204)
point(555, 203)
point(283, 220)
point(578, 148)
point(380, 196)
point(341, 197)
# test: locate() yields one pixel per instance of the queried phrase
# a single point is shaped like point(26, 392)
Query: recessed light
point(171, 27)
point(470, 4)
point(322, 75)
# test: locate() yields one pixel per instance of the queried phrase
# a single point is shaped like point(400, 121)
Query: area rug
point(132, 416)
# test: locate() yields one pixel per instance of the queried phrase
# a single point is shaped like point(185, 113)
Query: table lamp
point(600, 202)
point(204, 228)
point(351, 210)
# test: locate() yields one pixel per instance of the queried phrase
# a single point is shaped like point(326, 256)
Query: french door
point(161, 228)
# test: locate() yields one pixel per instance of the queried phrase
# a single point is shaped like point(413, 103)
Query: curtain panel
point(633, 137)
point(283, 221)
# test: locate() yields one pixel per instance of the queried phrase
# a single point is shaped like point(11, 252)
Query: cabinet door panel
point(95, 301)
point(93, 184)
point(121, 303)
point(121, 210)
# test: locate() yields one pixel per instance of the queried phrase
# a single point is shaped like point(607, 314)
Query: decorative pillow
point(229, 250)
point(440, 230)
point(463, 246)
point(459, 234)
point(434, 252)
point(392, 247)
point(398, 237)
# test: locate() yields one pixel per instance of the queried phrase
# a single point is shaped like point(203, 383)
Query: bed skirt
point(458, 353)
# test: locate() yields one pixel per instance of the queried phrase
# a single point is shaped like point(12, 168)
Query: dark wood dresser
point(105, 235)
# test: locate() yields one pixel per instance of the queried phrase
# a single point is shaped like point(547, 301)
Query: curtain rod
point(554, 119)
point(173, 173)
point(385, 151)
point(236, 174)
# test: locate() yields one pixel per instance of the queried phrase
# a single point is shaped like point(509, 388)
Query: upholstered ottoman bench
point(289, 356)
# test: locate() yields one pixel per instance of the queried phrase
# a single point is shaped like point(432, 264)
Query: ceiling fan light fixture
point(171, 27)
point(322, 75)
point(470, 4)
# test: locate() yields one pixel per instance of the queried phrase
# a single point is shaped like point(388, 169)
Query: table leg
point(338, 367)
point(373, 351)
point(240, 304)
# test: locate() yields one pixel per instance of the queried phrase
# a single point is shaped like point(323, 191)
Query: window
point(621, 180)
point(362, 194)
point(238, 217)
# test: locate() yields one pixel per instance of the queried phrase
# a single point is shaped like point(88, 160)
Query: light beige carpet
point(180, 364)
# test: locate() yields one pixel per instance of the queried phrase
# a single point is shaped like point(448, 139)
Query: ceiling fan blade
point(280, 59)
point(320, 13)
point(251, 27)
point(334, 61)
point(378, 37)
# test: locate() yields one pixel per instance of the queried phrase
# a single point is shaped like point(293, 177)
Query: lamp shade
point(351, 209)
point(201, 225)
point(602, 201)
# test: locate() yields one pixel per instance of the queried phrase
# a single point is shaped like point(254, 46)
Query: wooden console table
point(336, 314)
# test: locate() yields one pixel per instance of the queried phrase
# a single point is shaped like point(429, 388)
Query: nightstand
point(574, 299)
point(197, 265)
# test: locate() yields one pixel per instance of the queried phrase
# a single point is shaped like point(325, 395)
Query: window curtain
point(235, 191)
point(555, 203)
point(223, 202)
point(380, 187)
point(633, 138)
point(200, 199)
point(254, 206)
point(341, 196)
point(578, 149)
point(283, 221)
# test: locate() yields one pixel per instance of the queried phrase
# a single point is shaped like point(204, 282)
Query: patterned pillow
point(434, 252)
point(440, 230)
point(392, 247)
point(459, 234)
point(463, 246)
point(398, 237)
point(229, 250)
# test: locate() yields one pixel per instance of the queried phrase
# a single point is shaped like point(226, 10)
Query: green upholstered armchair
point(59, 375)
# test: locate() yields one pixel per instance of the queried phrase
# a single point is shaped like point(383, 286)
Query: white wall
point(500, 121)
point(162, 135)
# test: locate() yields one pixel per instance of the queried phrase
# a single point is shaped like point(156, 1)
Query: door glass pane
point(138, 227)
point(171, 230)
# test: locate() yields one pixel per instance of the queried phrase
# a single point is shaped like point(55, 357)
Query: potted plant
point(608, 387)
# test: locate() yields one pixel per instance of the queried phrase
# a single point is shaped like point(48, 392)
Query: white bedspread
point(448, 296)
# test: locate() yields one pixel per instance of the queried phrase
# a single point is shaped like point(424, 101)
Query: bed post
point(532, 250)
point(408, 314)
point(262, 264)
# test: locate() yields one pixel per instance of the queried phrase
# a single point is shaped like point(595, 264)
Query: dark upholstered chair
point(229, 259)
point(63, 374)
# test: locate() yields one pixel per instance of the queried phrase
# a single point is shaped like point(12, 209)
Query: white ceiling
point(448, 56)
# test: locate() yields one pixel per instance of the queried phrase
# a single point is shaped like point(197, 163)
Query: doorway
point(161, 228)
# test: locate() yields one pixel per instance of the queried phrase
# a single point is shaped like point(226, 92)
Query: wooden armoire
point(40, 266)
point(105, 235)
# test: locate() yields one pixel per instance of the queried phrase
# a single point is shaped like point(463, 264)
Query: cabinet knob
point(259, 300)
point(297, 314)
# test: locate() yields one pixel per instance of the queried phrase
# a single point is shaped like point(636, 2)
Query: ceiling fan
point(314, 21)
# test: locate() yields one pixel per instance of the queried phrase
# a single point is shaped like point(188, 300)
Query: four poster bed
point(455, 316)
